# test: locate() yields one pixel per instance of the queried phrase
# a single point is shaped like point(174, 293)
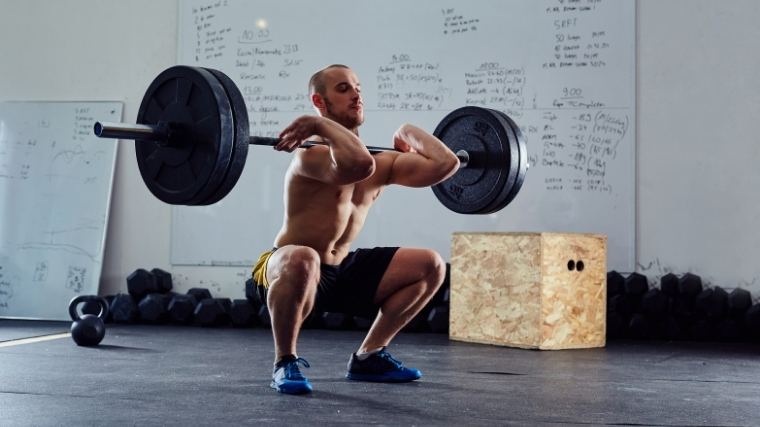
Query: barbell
point(192, 137)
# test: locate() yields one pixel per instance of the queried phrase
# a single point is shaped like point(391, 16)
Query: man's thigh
point(278, 264)
point(357, 281)
point(409, 265)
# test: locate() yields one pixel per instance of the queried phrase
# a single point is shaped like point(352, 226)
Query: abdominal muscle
point(325, 217)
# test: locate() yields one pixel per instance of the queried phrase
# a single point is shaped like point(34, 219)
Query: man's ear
point(318, 101)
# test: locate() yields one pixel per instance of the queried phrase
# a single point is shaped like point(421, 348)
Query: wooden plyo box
point(543, 291)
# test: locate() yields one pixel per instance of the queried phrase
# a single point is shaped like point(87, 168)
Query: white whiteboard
point(564, 70)
point(55, 190)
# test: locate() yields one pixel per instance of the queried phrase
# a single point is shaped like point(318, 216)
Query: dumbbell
point(243, 314)
point(251, 292)
point(712, 303)
point(624, 300)
point(683, 293)
point(628, 295)
point(655, 305)
point(739, 301)
point(729, 330)
point(143, 282)
point(636, 284)
point(651, 306)
point(703, 330)
point(617, 327)
point(124, 309)
point(640, 327)
point(181, 308)
point(199, 293)
point(752, 322)
point(615, 284)
point(213, 312)
point(670, 328)
point(154, 308)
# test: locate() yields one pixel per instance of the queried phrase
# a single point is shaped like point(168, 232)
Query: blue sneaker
point(287, 378)
point(380, 367)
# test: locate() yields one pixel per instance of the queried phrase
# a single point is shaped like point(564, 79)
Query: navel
point(334, 251)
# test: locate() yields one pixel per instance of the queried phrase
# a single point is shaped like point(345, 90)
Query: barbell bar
point(160, 134)
point(192, 138)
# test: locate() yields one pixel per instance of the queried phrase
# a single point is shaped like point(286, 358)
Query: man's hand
point(400, 139)
point(297, 132)
point(342, 160)
point(432, 163)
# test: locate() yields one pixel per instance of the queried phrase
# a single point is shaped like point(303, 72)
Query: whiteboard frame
point(94, 285)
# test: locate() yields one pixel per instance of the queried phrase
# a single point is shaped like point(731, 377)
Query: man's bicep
point(315, 163)
point(318, 164)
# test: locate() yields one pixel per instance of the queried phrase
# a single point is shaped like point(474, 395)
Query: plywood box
point(530, 290)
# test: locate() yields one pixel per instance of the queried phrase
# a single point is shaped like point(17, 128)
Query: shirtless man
point(328, 192)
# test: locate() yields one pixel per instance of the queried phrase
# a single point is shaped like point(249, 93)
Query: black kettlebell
point(89, 329)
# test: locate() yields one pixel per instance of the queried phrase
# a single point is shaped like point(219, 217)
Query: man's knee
point(296, 268)
point(440, 268)
point(436, 269)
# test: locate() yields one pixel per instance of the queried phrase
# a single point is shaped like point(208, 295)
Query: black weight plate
point(512, 168)
point(472, 189)
point(240, 146)
point(510, 164)
point(189, 169)
point(522, 162)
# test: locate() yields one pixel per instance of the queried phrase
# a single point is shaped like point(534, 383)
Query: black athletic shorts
point(350, 287)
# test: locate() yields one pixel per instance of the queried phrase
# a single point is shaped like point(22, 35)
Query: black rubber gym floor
point(172, 375)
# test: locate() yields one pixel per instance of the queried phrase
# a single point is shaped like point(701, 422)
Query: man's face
point(343, 101)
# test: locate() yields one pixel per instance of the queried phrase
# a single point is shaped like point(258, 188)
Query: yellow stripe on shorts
point(260, 269)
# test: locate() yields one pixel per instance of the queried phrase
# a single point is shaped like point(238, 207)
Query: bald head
point(317, 81)
point(335, 93)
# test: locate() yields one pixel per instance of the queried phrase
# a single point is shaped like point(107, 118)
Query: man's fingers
point(292, 146)
point(286, 131)
point(282, 144)
point(292, 137)
point(288, 143)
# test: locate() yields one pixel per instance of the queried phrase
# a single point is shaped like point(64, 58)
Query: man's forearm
point(348, 152)
point(424, 143)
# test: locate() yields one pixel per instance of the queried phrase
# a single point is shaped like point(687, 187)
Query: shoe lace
point(389, 358)
point(292, 371)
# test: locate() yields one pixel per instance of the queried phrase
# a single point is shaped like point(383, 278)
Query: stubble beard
point(349, 122)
